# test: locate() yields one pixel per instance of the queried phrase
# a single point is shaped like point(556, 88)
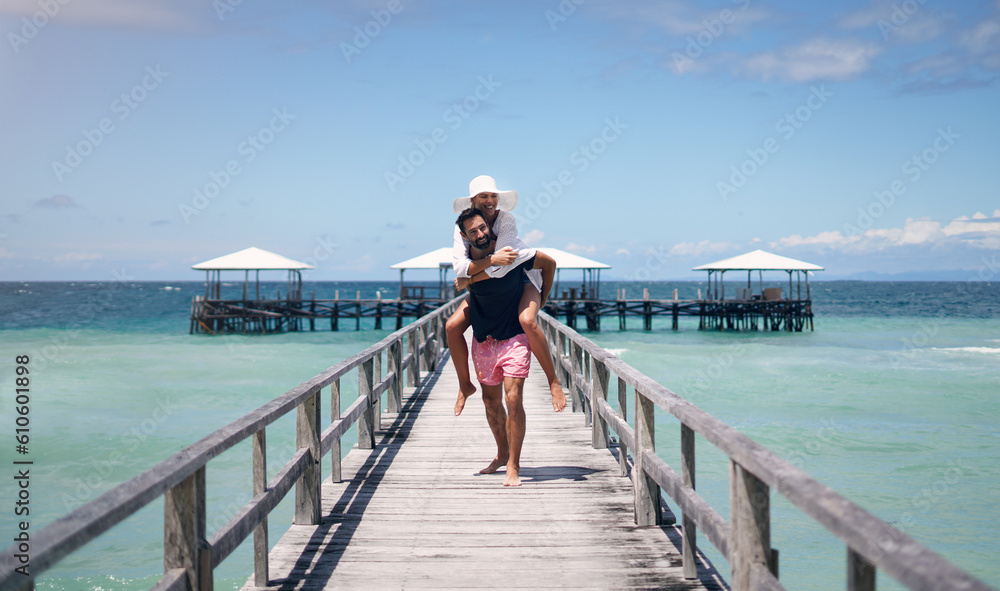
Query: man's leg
point(515, 428)
point(526, 314)
point(497, 418)
point(455, 329)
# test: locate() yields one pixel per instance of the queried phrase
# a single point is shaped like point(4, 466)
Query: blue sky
point(143, 137)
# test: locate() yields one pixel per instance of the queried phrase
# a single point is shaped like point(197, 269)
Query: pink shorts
point(494, 360)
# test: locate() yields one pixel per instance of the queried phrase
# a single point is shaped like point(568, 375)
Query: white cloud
point(823, 238)
point(56, 202)
point(577, 248)
point(183, 15)
point(701, 248)
point(816, 59)
point(77, 257)
point(894, 23)
point(984, 37)
point(978, 232)
point(623, 252)
point(533, 237)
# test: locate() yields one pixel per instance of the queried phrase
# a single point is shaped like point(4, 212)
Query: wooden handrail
point(188, 556)
point(755, 470)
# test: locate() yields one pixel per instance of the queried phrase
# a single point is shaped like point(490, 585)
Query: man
point(500, 350)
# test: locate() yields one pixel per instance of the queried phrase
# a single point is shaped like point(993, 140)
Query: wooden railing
point(189, 556)
point(586, 370)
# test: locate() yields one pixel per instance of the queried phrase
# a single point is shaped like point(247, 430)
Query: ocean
point(893, 401)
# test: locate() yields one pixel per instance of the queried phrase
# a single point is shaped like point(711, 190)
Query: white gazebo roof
point(759, 260)
point(442, 258)
point(251, 259)
point(568, 260)
point(434, 259)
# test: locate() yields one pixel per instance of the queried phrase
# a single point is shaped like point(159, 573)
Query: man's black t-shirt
point(493, 304)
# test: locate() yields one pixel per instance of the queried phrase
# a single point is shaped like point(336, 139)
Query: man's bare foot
point(494, 466)
point(558, 397)
point(464, 391)
point(511, 479)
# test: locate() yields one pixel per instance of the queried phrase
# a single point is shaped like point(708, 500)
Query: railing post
point(647, 492)
point(750, 509)
point(576, 364)
point(563, 374)
point(366, 426)
point(623, 411)
point(260, 545)
point(377, 403)
point(307, 489)
point(413, 349)
point(395, 366)
point(860, 572)
point(689, 547)
point(598, 392)
point(421, 347)
point(335, 449)
point(184, 543)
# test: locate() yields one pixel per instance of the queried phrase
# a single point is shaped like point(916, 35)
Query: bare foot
point(512, 478)
point(494, 466)
point(558, 397)
point(464, 391)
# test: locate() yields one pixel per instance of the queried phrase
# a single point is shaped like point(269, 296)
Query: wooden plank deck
point(415, 512)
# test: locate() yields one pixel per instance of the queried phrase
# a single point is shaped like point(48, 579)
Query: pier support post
point(598, 394)
point(366, 426)
point(261, 573)
point(307, 489)
point(750, 511)
point(647, 492)
point(184, 543)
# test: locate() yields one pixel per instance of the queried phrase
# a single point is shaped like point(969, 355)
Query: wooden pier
point(215, 316)
point(407, 508)
point(742, 315)
point(414, 513)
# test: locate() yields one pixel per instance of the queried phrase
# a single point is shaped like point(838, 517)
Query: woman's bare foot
point(494, 466)
point(464, 391)
point(512, 478)
point(558, 396)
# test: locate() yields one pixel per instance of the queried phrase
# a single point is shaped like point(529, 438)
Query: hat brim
point(506, 200)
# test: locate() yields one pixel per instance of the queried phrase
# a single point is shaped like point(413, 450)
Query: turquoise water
point(909, 433)
point(898, 411)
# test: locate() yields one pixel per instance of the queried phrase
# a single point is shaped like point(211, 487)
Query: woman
point(509, 252)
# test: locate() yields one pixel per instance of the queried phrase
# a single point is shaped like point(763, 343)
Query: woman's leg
point(455, 329)
point(526, 313)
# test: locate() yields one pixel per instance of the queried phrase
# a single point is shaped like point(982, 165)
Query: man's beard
point(484, 244)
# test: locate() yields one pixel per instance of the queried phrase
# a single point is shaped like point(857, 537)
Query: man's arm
point(548, 266)
point(463, 282)
point(483, 260)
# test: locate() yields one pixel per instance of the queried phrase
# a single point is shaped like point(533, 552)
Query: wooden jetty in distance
point(407, 509)
point(747, 309)
point(765, 315)
point(282, 315)
point(293, 314)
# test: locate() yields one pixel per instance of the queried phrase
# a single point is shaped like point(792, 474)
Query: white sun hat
point(506, 200)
